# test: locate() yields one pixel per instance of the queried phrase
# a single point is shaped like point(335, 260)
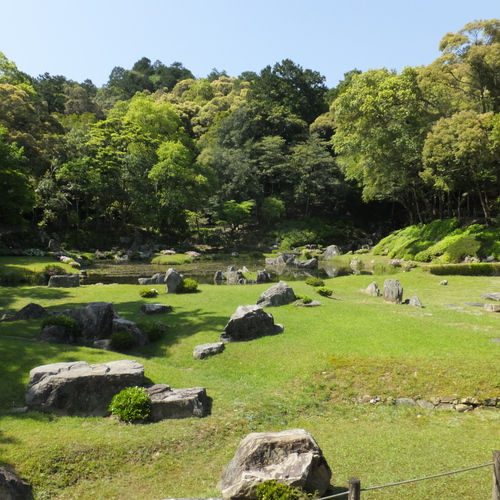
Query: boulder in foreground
point(292, 457)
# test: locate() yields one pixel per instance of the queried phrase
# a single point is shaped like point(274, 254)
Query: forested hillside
point(158, 149)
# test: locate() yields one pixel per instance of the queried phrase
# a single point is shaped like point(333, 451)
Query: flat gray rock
point(204, 350)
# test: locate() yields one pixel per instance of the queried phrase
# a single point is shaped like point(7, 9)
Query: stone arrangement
point(277, 295)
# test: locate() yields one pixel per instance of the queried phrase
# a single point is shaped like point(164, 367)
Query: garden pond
point(203, 272)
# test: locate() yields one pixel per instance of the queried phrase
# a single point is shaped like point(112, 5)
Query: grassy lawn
point(310, 377)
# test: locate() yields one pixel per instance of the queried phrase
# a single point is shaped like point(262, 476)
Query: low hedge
point(479, 269)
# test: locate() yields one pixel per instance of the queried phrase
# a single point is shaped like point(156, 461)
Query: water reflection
point(201, 271)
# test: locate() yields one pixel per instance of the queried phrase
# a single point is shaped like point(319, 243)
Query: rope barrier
point(345, 493)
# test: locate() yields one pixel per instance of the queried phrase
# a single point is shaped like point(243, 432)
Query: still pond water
point(201, 271)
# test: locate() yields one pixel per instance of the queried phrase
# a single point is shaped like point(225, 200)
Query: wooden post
point(355, 489)
point(496, 476)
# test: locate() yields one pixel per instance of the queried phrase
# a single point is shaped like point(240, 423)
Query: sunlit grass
point(309, 376)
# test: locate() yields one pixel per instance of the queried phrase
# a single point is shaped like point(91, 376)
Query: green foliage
point(122, 341)
point(132, 403)
point(324, 291)
point(70, 324)
point(153, 329)
point(479, 269)
point(272, 209)
point(305, 299)
point(314, 281)
point(53, 269)
point(272, 490)
point(148, 293)
point(188, 285)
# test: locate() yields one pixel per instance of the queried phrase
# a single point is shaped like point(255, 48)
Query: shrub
point(52, 270)
point(324, 291)
point(122, 341)
point(130, 404)
point(272, 490)
point(314, 281)
point(68, 323)
point(154, 330)
point(480, 269)
point(33, 252)
point(148, 293)
point(188, 285)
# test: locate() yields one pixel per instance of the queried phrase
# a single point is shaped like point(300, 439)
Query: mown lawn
point(310, 377)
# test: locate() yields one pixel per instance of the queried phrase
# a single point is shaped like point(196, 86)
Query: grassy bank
point(309, 377)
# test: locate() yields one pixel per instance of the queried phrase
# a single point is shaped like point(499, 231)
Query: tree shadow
point(11, 294)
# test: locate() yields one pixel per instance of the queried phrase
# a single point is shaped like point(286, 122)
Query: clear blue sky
point(87, 39)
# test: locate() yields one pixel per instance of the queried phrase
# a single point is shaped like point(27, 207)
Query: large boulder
point(156, 279)
point(12, 487)
point(292, 457)
point(64, 281)
point(393, 291)
point(31, 311)
point(277, 295)
point(249, 322)
point(278, 261)
point(124, 325)
point(77, 388)
point(95, 320)
point(172, 280)
point(177, 403)
point(331, 252)
point(56, 334)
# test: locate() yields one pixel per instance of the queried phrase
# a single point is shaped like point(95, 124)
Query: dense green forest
point(157, 149)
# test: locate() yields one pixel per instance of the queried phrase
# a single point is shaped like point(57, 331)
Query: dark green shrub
point(314, 281)
point(148, 293)
point(52, 270)
point(154, 330)
point(68, 323)
point(324, 291)
point(272, 490)
point(188, 285)
point(122, 341)
point(130, 404)
point(480, 269)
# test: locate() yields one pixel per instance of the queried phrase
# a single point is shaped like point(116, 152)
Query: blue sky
point(88, 39)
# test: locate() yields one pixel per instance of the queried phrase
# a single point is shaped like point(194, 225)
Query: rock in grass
point(204, 350)
point(77, 388)
point(277, 295)
point(172, 280)
point(248, 323)
point(393, 291)
point(31, 311)
point(373, 289)
point(291, 456)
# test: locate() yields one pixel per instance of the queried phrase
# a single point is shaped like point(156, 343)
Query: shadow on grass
point(182, 324)
point(9, 295)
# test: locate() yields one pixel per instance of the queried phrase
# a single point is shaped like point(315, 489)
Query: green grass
point(171, 260)
point(307, 377)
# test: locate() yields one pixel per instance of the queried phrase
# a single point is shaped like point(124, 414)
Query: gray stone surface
point(77, 388)
point(415, 302)
point(31, 311)
point(177, 403)
point(331, 252)
point(124, 325)
point(204, 350)
point(313, 303)
point(64, 281)
point(56, 334)
point(12, 487)
point(291, 456)
point(263, 277)
point(491, 296)
point(393, 291)
point(307, 264)
point(155, 309)
point(373, 289)
point(277, 295)
point(95, 320)
point(156, 279)
point(172, 280)
point(248, 323)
